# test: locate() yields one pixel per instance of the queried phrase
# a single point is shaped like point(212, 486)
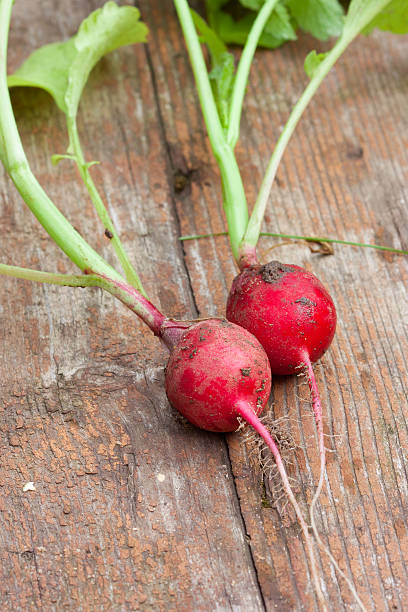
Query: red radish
point(217, 372)
point(294, 318)
point(287, 309)
point(214, 366)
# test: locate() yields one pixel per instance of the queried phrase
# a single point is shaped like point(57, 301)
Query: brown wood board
point(133, 508)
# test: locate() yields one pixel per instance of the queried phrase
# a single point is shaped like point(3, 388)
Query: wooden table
point(133, 509)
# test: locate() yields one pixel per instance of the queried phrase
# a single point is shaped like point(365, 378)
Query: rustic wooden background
point(134, 509)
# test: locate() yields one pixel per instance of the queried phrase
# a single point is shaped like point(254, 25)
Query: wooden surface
point(134, 509)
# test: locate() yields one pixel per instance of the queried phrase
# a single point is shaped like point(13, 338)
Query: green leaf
point(279, 24)
point(234, 28)
point(47, 68)
point(236, 32)
point(312, 62)
point(57, 158)
point(214, 5)
point(254, 5)
point(105, 30)
point(222, 64)
point(322, 18)
point(393, 18)
point(62, 69)
point(215, 45)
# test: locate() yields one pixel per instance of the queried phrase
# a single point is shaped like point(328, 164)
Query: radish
point(217, 374)
point(287, 309)
point(293, 316)
point(216, 371)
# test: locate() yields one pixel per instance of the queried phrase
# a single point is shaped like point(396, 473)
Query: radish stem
point(75, 148)
point(307, 239)
point(241, 77)
point(124, 292)
point(235, 204)
point(360, 16)
point(65, 280)
point(254, 225)
point(15, 161)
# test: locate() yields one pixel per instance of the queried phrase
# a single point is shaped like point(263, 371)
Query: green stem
point(75, 148)
point(15, 161)
point(244, 66)
point(355, 23)
point(235, 204)
point(307, 239)
point(66, 280)
point(100, 273)
point(336, 241)
point(127, 294)
point(254, 226)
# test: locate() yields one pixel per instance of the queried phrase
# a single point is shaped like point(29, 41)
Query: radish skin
point(214, 364)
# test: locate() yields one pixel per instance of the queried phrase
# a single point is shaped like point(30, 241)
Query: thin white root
point(322, 450)
point(324, 548)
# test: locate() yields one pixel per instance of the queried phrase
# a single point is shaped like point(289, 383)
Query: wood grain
point(134, 509)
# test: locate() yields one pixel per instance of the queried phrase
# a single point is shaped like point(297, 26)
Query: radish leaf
point(312, 61)
point(394, 18)
point(278, 29)
point(280, 24)
point(62, 69)
point(47, 68)
point(322, 18)
point(232, 22)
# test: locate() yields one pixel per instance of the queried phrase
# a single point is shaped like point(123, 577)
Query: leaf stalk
point(76, 149)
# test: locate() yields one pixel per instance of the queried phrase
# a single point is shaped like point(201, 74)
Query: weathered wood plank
point(344, 175)
point(83, 410)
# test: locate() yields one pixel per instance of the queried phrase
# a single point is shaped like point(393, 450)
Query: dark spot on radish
point(245, 371)
point(305, 302)
point(262, 387)
point(273, 271)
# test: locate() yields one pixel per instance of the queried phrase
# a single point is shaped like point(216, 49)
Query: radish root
point(318, 415)
point(245, 411)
